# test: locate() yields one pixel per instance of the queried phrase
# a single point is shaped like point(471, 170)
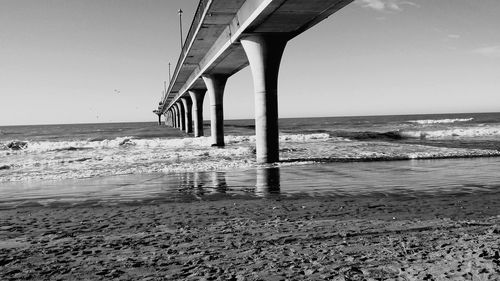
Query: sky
point(92, 61)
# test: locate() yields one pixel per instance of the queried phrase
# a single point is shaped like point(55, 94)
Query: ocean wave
point(440, 121)
point(306, 137)
point(481, 131)
point(378, 150)
point(460, 132)
point(361, 136)
point(125, 142)
point(71, 160)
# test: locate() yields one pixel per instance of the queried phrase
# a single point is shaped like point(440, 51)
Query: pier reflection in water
point(261, 182)
point(393, 178)
point(152, 188)
point(201, 184)
point(268, 181)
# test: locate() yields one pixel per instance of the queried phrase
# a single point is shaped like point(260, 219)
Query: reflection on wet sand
point(410, 179)
point(268, 181)
point(180, 187)
point(218, 182)
point(203, 184)
point(199, 184)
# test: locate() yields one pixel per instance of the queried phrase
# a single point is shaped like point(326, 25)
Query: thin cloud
point(385, 5)
point(454, 36)
point(489, 51)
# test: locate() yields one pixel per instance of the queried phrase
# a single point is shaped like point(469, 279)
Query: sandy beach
point(352, 238)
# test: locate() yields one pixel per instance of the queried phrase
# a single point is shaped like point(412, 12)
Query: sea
point(139, 163)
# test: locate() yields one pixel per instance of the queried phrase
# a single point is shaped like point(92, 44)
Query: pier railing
point(198, 16)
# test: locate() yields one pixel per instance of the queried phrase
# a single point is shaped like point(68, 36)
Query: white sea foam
point(305, 137)
point(126, 155)
point(123, 142)
point(440, 121)
point(82, 159)
point(378, 150)
point(460, 132)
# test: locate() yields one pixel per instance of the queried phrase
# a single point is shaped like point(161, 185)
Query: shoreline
point(448, 237)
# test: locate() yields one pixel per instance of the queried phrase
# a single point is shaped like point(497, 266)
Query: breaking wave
point(430, 133)
point(460, 132)
point(123, 142)
point(361, 136)
point(126, 155)
point(440, 121)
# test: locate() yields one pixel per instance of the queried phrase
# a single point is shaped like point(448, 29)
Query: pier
point(225, 37)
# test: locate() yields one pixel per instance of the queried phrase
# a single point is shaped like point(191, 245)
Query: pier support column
point(159, 119)
point(182, 116)
point(172, 114)
point(197, 97)
point(177, 115)
point(264, 52)
point(170, 118)
point(188, 118)
point(215, 86)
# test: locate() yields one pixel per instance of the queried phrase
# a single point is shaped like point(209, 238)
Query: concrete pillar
point(197, 97)
point(215, 86)
point(264, 52)
point(179, 116)
point(176, 108)
point(174, 123)
point(172, 117)
point(159, 119)
point(182, 116)
point(176, 116)
point(188, 118)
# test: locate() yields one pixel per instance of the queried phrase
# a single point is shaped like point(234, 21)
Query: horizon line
point(241, 119)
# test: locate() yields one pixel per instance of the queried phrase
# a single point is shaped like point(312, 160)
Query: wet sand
point(449, 237)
